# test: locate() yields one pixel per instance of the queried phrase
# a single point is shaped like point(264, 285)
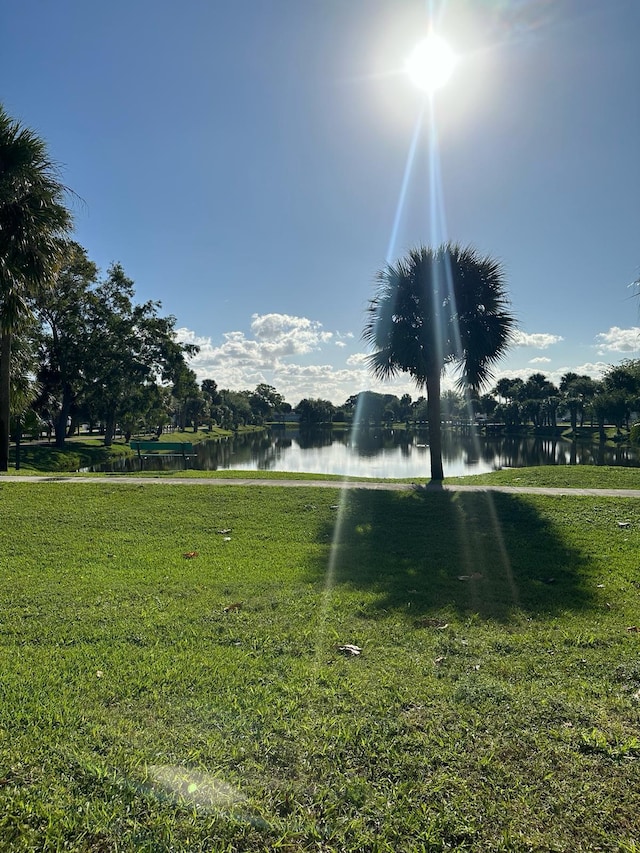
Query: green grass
point(558, 476)
point(497, 712)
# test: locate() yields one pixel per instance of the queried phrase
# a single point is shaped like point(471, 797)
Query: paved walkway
point(317, 484)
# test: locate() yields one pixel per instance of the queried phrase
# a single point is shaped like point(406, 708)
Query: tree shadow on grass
point(474, 552)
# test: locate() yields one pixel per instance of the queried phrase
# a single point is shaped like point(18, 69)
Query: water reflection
point(383, 453)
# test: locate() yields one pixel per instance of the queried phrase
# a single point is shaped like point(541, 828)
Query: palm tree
point(439, 307)
point(33, 219)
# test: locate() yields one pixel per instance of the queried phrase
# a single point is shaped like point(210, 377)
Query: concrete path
point(316, 484)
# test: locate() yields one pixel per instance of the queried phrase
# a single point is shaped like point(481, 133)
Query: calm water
point(385, 453)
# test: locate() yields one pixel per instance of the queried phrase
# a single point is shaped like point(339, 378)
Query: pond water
point(383, 453)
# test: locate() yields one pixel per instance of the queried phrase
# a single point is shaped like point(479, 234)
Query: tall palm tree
point(33, 219)
point(433, 308)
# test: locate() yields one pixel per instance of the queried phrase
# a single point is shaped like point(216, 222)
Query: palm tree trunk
point(435, 431)
point(5, 390)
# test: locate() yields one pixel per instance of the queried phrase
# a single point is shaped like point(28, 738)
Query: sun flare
point(431, 63)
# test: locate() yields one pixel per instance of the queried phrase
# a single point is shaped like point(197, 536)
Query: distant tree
point(509, 389)
point(420, 410)
point(609, 406)
point(509, 414)
point(486, 405)
point(539, 400)
point(273, 398)
point(439, 307)
point(265, 402)
point(622, 382)
point(188, 399)
point(209, 390)
point(33, 219)
point(453, 405)
point(314, 411)
point(350, 403)
point(404, 409)
point(235, 409)
point(578, 392)
point(370, 407)
point(211, 398)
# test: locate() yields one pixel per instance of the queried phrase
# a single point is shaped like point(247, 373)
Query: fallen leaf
point(223, 531)
point(600, 586)
point(624, 524)
point(190, 555)
point(475, 576)
point(634, 629)
point(237, 605)
point(439, 660)
point(99, 673)
point(227, 539)
point(349, 649)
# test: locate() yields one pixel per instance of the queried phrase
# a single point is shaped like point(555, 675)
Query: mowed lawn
point(175, 670)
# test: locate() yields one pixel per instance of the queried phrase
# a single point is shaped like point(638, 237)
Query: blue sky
point(244, 161)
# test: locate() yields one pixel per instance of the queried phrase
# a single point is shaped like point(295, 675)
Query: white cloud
point(281, 335)
point(358, 358)
point(541, 359)
point(595, 369)
point(618, 340)
point(539, 340)
point(242, 361)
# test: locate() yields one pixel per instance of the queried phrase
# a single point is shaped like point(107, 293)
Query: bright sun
point(431, 63)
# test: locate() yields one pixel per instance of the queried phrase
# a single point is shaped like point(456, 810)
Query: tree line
point(577, 401)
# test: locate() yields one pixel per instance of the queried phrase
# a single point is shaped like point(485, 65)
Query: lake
point(384, 453)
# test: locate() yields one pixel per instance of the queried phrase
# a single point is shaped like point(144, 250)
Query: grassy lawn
point(168, 687)
point(558, 476)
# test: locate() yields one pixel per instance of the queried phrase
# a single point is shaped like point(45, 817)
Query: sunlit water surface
point(384, 454)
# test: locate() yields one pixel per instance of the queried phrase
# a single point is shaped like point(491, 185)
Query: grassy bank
point(166, 686)
point(558, 476)
point(86, 451)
